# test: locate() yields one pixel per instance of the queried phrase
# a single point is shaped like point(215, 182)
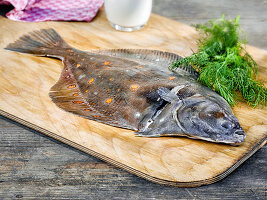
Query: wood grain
point(25, 81)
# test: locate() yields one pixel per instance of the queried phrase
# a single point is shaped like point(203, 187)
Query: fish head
point(205, 117)
point(208, 119)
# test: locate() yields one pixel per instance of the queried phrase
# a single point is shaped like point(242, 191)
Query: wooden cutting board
point(25, 81)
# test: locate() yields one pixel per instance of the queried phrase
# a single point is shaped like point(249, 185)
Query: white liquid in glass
point(128, 15)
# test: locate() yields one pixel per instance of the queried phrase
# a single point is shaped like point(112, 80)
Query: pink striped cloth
point(50, 10)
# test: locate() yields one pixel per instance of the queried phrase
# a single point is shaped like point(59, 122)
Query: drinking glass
point(128, 15)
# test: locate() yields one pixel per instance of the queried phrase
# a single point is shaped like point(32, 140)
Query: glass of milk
point(128, 15)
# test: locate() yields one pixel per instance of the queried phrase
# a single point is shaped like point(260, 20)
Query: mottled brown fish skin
point(116, 87)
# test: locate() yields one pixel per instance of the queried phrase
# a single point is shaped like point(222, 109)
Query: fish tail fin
point(44, 42)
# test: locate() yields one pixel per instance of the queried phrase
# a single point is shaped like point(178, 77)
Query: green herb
point(223, 63)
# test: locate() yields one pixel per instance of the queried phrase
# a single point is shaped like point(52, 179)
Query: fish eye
point(204, 114)
point(217, 114)
point(211, 114)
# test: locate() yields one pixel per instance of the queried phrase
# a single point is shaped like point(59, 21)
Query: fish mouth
point(235, 139)
point(239, 136)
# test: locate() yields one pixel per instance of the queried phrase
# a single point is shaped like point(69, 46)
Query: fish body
point(134, 89)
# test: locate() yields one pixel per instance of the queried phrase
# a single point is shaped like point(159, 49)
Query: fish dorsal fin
point(158, 59)
point(67, 95)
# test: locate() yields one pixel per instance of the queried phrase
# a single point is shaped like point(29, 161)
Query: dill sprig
point(223, 63)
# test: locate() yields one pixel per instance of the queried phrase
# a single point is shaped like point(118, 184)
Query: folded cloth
point(51, 10)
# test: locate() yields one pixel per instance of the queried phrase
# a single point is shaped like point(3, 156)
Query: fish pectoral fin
point(166, 94)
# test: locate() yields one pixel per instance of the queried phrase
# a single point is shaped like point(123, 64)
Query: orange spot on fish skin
point(134, 87)
point(106, 63)
point(87, 110)
point(111, 79)
point(109, 100)
point(108, 68)
point(91, 80)
point(118, 89)
point(71, 86)
point(78, 65)
point(95, 116)
point(108, 90)
point(75, 94)
point(141, 66)
point(77, 102)
point(86, 91)
point(171, 77)
point(69, 51)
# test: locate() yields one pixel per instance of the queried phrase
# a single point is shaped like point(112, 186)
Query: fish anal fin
point(66, 95)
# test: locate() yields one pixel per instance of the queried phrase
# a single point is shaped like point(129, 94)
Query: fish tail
point(43, 43)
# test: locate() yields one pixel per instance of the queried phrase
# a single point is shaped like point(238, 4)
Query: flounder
point(133, 89)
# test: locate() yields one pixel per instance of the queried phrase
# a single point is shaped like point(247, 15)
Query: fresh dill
point(223, 63)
